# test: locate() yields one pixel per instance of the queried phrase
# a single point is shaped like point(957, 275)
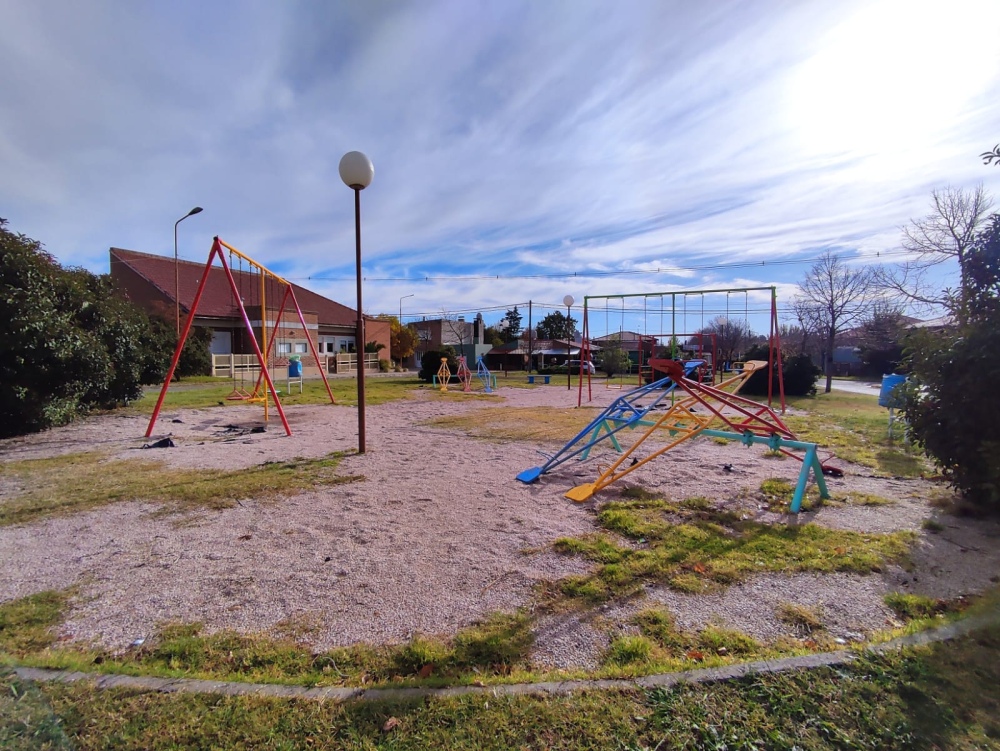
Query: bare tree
point(946, 233)
point(834, 298)
point(732, 336)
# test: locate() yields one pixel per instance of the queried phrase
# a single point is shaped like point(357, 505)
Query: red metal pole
point(180, 342)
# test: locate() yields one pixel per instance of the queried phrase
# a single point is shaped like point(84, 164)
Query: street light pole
point(177, 271)
point(568, 302)
point(357, 171)
point(401, 307)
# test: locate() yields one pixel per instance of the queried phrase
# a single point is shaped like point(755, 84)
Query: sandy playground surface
point(436, 535)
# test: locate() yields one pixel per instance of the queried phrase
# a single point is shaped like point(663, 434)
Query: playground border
point(558, 688)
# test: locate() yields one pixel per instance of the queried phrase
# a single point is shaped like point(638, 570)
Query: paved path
point(855, 387)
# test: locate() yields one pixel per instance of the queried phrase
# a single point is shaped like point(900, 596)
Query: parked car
point(588, 367)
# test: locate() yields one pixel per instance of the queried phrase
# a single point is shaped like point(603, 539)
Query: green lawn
point(942, 697)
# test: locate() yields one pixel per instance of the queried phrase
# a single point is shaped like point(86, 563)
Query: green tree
point(556, 326)
point(512, 319)
point(613, 358)
point(493, 336)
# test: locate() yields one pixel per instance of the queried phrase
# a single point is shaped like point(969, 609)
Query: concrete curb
point(558, 688)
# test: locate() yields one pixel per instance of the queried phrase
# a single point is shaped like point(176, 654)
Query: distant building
point(148, 281)
point(465, 337)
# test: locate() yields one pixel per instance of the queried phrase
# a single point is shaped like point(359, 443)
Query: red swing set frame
point(262, 356)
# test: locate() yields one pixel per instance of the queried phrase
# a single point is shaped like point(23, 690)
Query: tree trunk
point(829, 364)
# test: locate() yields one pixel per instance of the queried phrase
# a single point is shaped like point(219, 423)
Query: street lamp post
point(568, 302)
point(177, 271)
point(357, 171)
point(401, 319)
point(401, 307)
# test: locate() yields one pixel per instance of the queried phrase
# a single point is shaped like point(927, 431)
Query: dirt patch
point(437, 535)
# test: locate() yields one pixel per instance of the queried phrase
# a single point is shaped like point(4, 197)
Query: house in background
point(466, 338)
point(148, 281)
point(543, 352)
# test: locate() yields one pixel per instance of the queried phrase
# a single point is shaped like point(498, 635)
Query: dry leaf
point(426, 670)
point(391, 724)
point(840, 551)
point(699, 568)
point(694, 654)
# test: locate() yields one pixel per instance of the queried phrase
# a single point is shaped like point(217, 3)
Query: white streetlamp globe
point(356, 170)
point(568, 301)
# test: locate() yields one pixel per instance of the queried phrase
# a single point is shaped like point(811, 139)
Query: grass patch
point(694, 549)
point(856, 498)
point(856, 429)
point(493, 647)
point(802, 618)
point(777, 489)
point(76, 483)
point(28, 625)
point(943, 696)
point(913, 607)
point(201, 393)
point(629, 650)
point(519, 423)
point(932, 525)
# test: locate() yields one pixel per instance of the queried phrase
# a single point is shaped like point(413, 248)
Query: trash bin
point(294, 367)
point(886, 395)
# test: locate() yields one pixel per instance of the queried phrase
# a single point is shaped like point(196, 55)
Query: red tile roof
point(217, 299)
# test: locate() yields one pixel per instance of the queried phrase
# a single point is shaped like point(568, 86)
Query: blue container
point(294, 368)
point(887, 396)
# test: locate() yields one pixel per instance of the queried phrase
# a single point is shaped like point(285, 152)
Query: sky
point(522, 150)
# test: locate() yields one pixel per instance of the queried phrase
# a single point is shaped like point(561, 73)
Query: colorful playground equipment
point(624, 412)
point(483, 373)
point(748, 422)
point(464, 375)
point(444, 374)
point(261, 282)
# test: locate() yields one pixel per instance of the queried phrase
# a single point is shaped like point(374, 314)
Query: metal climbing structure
point(264, 390)
point(745, 420)
point(464, 375)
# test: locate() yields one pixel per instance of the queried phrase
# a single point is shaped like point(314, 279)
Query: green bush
point(798, 372)
point(431, 361)
point(383, 366)
point(952, 405)
point(67, 342)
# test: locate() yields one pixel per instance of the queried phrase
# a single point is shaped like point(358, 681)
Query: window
point(301, 347)
point(284, 348)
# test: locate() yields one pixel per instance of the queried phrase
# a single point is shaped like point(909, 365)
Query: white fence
point(230, 366)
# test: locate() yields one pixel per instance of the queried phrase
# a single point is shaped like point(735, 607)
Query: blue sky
point(720, 144)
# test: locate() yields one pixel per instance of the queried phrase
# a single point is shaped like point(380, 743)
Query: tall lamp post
point(357, 171)
point(568, 302)
point(177, 271)
point(401, 307)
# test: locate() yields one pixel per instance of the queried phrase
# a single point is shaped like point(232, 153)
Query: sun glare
point(895, 76)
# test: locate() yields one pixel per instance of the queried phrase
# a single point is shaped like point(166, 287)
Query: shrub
point(798, 372)
point(383, 366)
point(952, 403)
point(67, 342)
point(431, 361)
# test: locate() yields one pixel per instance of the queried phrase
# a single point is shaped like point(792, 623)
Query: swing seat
point(238, 395)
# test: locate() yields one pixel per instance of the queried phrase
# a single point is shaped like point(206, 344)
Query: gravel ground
point(436, 535)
